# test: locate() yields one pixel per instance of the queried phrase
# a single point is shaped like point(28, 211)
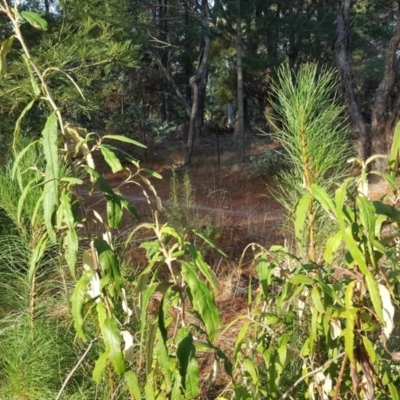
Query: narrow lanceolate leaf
point(301, 215)
point(324, 199)
point(208, 241)
point(332, 245)
point(50, 199)
point(367, 216)
point(125, 139)
point(78, 301)
point(112, 341)
point(350, 312)
point(202, 300)
point(132, 382)
point(37, 254)
point(395, 152)
point(161, 354)
point(35, 87)
point(17, 129)
point(99, 367)
point(188, 366)
point(35, 20)
point(203, 267)
point(111, 159)
point(22, 198)
point(108, 262)
point(4, 50)
point(71, 240)
point(373, 290)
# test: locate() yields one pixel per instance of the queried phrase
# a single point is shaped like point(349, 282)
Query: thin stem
point(314, 372)
point(65, 383)
point(340, 377)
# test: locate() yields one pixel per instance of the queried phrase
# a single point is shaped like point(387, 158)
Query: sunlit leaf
point(50, 199)
point(125, 139)
point(4, 50)
point(78, 301)
point(99, 367)
point(132, 383)
point(202, 299)
point(35, 20)
point(111, 159)
point(112, 341)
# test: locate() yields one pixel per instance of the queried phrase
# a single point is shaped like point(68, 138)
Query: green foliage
point(311, 128)
point(181, 210)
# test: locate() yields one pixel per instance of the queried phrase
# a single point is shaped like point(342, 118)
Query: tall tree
point(385, 108)
point(240, 132)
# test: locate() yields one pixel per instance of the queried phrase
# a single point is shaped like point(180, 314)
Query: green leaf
point(114, 213)
point(151, 335)
point(394, 393)
point(301, 216)
point(373, 290)
point(35, 87)
point(301, 280)
point(125, 139)
point(111, 159)
point(35, 20)
point(71, 240)
point(78, 301)
point(109, 262)
point(99, 367)
point(370, 349)
point(316, 298)
point(395, 152)
point(367, 216)
point(154, 174)
point(188, 366)
point(208, 241)
point(161, 353)
point(241, 335)
point(249, 367)
point(133, 384)
point(332, 245)
point(4, 50)
point(203, 267)
point(324, 199)
point(19, 157)
point(202, 300)
point(112, 341)
point(17, 129)
point(22, 198)
point(128, 206)
point(50, 199)
point(37, 254)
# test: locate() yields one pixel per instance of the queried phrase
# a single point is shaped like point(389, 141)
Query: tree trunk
point(384, 115)
point(347, 85)
point(196, 81)
point(240, 133)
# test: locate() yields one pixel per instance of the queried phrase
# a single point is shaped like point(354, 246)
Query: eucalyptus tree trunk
point(240, 133)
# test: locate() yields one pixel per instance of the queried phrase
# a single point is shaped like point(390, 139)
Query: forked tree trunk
point(195, 82)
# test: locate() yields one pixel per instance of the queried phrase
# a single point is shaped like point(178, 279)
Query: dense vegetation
point(84, 83)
